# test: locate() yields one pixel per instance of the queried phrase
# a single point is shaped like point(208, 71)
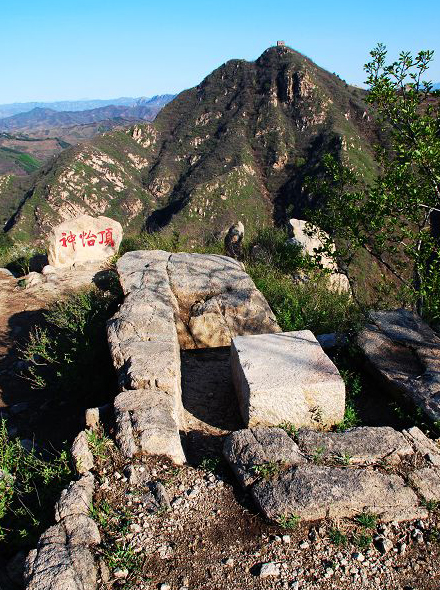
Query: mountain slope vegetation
point(236, 147)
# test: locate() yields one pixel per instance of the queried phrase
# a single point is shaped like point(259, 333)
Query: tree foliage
point(396, 218)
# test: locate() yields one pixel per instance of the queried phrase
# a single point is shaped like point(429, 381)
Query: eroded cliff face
point(236, 147)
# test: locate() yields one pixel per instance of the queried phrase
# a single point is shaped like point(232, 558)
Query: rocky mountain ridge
point(237, 146)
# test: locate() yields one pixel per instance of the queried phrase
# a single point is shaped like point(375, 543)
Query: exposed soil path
point(209, 400)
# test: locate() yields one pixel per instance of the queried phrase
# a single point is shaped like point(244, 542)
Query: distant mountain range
point(45, 118)
point(28, 139)
point(7, 110)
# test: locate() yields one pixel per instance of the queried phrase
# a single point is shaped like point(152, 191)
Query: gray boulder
point(81, 453)
point(62, 559)
point(313, 492)
point(404, 353)
point(246, 449)
point(364, 445)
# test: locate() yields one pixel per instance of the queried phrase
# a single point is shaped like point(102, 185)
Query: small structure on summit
point(281, 44)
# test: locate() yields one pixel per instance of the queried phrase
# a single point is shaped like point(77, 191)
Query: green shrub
point(277, 252)
point(16, 257)
point(300, 306)
point(29, 487)
point(69, 353)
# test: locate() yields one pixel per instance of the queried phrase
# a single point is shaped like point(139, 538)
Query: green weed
point(210, 464)
point(64, 353)
point(288, 522)
point(361, 540)
point(318, 455)
point(337, 537)
point(290, 428)
point(367, 520)
point(29, 487)
point(268, 470)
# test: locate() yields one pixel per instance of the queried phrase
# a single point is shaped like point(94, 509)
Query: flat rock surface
point(358, 445)
point(246, 450)
point(286, 377)
point(313, 492)
point(404, 352)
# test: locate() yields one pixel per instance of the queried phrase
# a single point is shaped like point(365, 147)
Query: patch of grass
point(116, 552)
point(290, 428)
point(361, 540)
point(17, 257)
point(367, 520)
point(29, 486)
point(65, 353)
point(353, 388)
point(433, 535)
point(210, 464)
point(268, 470)
point(431, 505)
point(318, 455)
point(99, 443)
point(304, 306)
point(344, 459)
point(337, 537)
point(288, 522)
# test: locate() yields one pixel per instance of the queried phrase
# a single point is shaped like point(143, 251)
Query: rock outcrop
point(336, 474)
point(313, 246)
point(173, 301)
point(403, 352)
point(286, 377)
point(63, 559)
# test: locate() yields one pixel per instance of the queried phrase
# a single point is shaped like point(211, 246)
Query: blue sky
point(104, 49)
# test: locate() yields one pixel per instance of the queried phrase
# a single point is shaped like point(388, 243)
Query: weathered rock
point(246, 449)
point(156, 497)
point(4, 272)
point(312, 492)
point(423, 445)
point(312, 245)
point(404, 352)
point(426, 481)
point(286, 378)
point(148, 422)
point(76, 498)
point(364, 445)
point(81, 453)
point(63, 560)
point(84, 239)
point(234, 239)
point(57, 566)
point(32, 279)
point(172, 301)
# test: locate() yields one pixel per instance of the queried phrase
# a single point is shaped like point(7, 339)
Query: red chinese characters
point(68, 239)
point(88, 239)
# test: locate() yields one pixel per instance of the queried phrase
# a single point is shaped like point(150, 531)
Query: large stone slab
point(404, 352)
point(63, 559)
point(245, 450)
point(173, 301)
point(363, 445)
point(313, 492)
point(286, 377)
point(83, 239)
point(426, 482)
point(423, 445)
point(148, 422)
